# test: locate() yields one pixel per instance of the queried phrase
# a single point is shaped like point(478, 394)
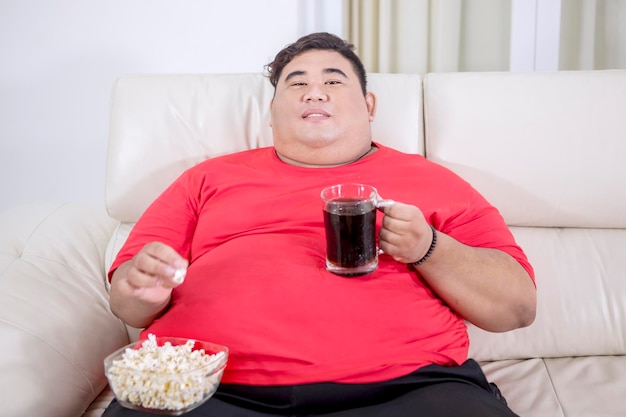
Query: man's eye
point(299, 84)
point(333, 82)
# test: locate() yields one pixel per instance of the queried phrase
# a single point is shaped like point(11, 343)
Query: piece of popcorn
point(179, 275)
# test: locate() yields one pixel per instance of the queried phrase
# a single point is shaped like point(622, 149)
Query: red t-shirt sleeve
point(171, 219)
point(481, 225)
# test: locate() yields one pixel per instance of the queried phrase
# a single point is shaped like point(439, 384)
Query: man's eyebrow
point(335, 71)
point(296, 73)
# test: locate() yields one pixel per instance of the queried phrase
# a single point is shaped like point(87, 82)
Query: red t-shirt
point(252, 229)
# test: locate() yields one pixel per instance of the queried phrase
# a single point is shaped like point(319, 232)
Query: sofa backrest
point(163, 124)
point(545, 148)
point(548, 150)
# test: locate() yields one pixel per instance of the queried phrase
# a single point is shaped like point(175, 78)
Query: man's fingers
point(165, 254)
point(158, 264)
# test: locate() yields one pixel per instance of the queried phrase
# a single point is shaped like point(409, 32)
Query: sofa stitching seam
point(38, 226)
point(71, 362)
point(28, 258)
point(554, 391)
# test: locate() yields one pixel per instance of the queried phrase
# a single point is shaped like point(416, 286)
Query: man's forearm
point(487, 287)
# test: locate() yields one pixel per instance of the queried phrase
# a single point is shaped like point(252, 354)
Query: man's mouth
point(315, 114)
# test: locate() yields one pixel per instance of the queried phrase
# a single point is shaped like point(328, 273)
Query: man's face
point(319, 114)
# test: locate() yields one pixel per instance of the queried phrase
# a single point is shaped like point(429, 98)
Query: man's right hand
point(141, 287)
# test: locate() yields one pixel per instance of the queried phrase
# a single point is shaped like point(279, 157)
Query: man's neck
point(294, 162)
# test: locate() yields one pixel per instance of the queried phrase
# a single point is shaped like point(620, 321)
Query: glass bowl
point(165, 375)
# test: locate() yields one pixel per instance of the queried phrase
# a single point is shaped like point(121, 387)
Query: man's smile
point(315, 114)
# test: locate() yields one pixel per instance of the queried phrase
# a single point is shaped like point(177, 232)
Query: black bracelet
point(430, 249)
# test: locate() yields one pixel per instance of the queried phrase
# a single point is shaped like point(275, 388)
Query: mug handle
point(384, 203)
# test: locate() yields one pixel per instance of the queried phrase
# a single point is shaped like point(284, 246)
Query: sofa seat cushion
point(100, 404)
point(590, 386)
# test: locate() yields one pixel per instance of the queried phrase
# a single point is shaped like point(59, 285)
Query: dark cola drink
point(350, 236)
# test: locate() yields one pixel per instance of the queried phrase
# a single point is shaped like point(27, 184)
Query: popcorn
point(179, 275)
point(165, 377)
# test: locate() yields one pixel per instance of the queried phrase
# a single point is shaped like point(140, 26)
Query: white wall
point(59, 59)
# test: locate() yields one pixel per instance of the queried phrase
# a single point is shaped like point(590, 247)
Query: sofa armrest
point(55, 322)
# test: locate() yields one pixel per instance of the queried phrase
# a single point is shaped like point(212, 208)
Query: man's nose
point(315, 93)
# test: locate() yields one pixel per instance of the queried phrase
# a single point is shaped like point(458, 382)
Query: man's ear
point(370, 102)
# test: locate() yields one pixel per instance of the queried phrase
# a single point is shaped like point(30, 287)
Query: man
point(303, 341)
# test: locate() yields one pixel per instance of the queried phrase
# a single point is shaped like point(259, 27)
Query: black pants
point(432, 391)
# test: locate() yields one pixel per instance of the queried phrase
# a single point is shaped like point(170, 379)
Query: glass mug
point(350, 224)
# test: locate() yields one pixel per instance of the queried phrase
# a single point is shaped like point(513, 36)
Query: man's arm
point(141, 288)
point(487, 287)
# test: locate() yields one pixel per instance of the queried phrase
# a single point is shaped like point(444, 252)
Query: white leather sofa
point(547, 148)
